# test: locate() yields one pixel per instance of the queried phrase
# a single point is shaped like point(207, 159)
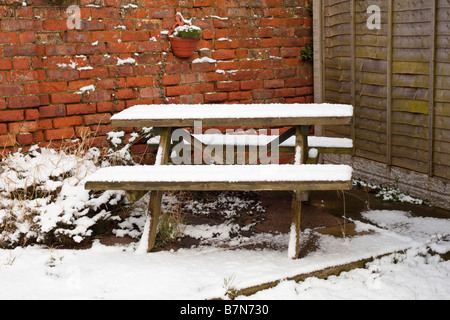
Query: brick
point(11, 90)
point(59, 134)
point(5, 64)
point(25, 76)
point(250, 43)
point(203, 67)
point(227, 86)
point(78, 84)
point(105, 35)
point(11, 115)
point(101, 118)
point(27, 36)
point(295, 82)
point(203, 87)
point(178, 90)
point(16, 50)
point(251, 85)
point(87, 48)
point(7, 141)
point(286, 73)
point(161, 13)
point(242, 75)
point(64, 97)
point(55, 25)
point(262, 94)
point(275, 83)
point(271, 22)
point(3, 129)
point(171, 79)
point(224, 54)
point(251, 64)
point(24, 139)
point(126, 94)
point(139, 81)
point(186, 78)
point(82, 108)
point(303, 91)
point(24, 102)
point(31, 114)
point(285, 92)
point(21, 25)
point(290, 52)
point(102, 95)
point(105, 84)
point(103, 107)
point(8, 38)
point(77, 36)
point(293, 22)
point(139, 35)
point(49, 87)
point(226, 44)
point(21, 63)
point(149, 93)
point(22, 127)
point(204, 3)
point(52, 111)
point(272, 42)
point(45, 124)
point(93, 73)
point(216, 97)
point(106, 12)
point(67, 122)
point(120, 47)
point(240, 95)
point(60, 50)
point(148, 46)
point(63, 74)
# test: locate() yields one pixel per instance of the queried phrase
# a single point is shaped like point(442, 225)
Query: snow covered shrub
point(119, 151)
point(43, 200)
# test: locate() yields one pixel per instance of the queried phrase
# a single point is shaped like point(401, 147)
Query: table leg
point(301, 156)
point(154, 207)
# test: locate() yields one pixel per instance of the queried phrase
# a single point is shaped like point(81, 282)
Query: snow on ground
point(412, 268)
point(118, 272)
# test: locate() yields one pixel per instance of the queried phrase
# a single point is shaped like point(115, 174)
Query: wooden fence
point(397, 76)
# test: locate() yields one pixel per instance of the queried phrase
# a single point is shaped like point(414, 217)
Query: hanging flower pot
point(184, 40)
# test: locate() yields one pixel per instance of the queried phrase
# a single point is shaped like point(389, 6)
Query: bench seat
point(222, 177)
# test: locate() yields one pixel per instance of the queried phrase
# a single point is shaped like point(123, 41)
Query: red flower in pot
point(184, 40)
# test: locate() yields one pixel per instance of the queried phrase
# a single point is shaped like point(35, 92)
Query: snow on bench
point(222, 177)
point(242, 115)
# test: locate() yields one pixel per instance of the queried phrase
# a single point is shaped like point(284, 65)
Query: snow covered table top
point(246, 115)
point(220, 177)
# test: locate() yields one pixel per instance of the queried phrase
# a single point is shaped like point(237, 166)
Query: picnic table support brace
point(154, 207)
point(301, 156)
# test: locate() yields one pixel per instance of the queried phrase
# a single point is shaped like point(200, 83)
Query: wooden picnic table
point(299, 177)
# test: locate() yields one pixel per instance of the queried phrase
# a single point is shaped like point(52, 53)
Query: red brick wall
point(43, 63)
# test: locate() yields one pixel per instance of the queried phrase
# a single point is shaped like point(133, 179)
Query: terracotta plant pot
point(183, 48)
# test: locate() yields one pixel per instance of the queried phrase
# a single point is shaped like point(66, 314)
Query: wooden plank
point(244, 122)
point(280, 185)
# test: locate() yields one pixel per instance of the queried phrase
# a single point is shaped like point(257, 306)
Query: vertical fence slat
point(432, 88)
point(390, 26)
